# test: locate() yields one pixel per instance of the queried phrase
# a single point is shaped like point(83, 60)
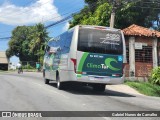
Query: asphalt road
point(27, 92)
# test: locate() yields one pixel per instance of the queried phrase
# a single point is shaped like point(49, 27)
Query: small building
point(12, 66)
point(143, 51)
point(3, 61)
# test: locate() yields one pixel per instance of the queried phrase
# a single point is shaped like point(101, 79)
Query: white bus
point(93, 55)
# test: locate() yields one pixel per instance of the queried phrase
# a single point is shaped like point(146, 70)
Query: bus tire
point(43, 73)
point(99, 87)
point(46, 81)
point(60, 85)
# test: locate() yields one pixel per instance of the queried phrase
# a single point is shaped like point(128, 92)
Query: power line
point(5, 32)
point(68, 17)
point(64, 19)
point(65, 8)
point(63, 14)
point(46, 27)
point(76, 11)
point(55, 23)
point(3, 38)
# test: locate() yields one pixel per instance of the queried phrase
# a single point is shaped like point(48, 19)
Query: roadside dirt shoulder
point(123, 89)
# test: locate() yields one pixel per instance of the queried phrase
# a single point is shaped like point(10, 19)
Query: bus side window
point(68, 41)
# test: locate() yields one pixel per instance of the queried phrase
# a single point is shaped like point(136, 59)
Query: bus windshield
point(100, 41)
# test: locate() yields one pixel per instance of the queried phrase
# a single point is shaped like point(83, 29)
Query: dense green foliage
point(27, 42)
point(142, 13)
point(37, 43)
point(128, 12)
point(28, 67)
point(145, 88)
point(155, 76)
point(19, 43)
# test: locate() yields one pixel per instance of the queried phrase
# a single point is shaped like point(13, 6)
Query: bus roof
point(99, 27)
point(90, 27)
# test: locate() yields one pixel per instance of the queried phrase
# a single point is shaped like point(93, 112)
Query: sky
point(15, 13)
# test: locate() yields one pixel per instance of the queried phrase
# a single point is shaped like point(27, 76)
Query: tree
point(27, 43)
point(38, 41)
point(128, 12)
point(18, 45)
point(9, 53)
point(100, 16)
point(84, 14)
point(140, 12)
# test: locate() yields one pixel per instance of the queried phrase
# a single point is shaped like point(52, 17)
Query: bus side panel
point(67, 39)
point(47, 65)
point(66, 66)
point(51, 66)
point(54, 58)
point(73, 48)
point(63, 63)
point(63, 67)
point(72, 56)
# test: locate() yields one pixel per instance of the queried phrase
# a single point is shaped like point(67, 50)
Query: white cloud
point(40, 11)
point(66, 26)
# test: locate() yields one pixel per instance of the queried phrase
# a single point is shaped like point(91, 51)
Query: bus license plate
point(95, 78)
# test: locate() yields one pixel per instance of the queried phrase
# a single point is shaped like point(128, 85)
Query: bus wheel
point(99, 87)
point(60, 85)
point(46, 81)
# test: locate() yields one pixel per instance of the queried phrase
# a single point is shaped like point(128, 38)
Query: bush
point(155, 76)
point(28, 67)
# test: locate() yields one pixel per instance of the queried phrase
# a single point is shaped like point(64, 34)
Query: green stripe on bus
point(79, 75)
point(81, 63)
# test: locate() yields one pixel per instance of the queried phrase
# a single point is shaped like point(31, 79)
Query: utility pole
point(112, 19)
point(116, 3)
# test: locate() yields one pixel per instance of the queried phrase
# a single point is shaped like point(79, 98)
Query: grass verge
point(24, 70)
point(29, 70)
point(2, 71)
point(145, 88)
